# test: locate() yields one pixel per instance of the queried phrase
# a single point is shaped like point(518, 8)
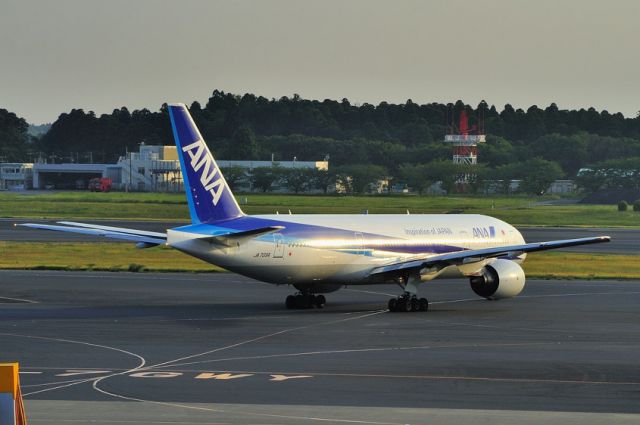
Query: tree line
point(400, 139)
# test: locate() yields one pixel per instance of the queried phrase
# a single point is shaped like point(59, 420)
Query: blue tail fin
point(208, 194)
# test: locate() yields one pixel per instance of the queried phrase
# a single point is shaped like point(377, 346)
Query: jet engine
point(500, 279)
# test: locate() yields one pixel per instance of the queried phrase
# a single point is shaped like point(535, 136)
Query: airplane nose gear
point(305, 301)
point(409, 301)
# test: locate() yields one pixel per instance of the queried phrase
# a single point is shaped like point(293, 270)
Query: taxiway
point(220, 348)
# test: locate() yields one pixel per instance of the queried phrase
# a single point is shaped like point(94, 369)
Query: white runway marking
point(18, 300)
point(580, 294)
point(246, 413)
point(69, 384)
point(97, 381)
point(358, 350)
point(370, 292)
point(106, 421)
point(216, 319)
point(262, 337)
point(54, 383)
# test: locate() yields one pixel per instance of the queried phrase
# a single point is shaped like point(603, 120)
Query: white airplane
point(319, 254)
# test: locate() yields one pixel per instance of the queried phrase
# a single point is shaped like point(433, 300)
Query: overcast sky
point(100, 55)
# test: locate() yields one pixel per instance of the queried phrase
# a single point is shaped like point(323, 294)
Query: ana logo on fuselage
point(210, 177)
point(483, 232)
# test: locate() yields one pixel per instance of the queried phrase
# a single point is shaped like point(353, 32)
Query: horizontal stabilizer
point(115, 229)
point(143, 238)
point(475, 255)
point(229, 239)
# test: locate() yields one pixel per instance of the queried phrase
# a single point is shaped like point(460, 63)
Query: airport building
point(152, 169)
point(16, 176)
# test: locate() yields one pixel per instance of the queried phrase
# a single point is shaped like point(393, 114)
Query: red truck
point(100, 184)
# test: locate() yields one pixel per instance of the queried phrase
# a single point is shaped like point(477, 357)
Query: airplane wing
point(143, 238)
point(475, 255)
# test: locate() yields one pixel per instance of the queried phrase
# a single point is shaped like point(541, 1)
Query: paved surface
point(184, 348)
point(624, 241)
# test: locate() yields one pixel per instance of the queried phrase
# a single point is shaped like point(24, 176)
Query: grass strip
point(517, 210)
point(97, 256)
point(569, 265)
point(125, 257)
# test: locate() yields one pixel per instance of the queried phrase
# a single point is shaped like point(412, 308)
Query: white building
point(15, 175)
point(250, 165)
point(153, 169)
point(157, 168)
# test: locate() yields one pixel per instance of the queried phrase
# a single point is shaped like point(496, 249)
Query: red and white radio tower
point(465, 140)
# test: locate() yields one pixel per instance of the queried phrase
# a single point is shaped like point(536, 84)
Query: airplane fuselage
point(339, 249)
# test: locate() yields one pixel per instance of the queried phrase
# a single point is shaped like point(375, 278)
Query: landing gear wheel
point(290, 302)
point(408, 303)
point(403, 305)
point(414, 304)
point(393, 305)
point(305, 301)
point(423, 304)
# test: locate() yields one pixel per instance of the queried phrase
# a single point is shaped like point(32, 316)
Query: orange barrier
point(11, 403)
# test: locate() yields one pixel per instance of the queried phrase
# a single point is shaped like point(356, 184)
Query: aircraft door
point(359, 246)
point(278, 240)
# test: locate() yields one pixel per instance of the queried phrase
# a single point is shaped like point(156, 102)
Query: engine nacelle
point(500, 279)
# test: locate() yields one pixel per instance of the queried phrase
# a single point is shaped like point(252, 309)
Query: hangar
point(70, 176)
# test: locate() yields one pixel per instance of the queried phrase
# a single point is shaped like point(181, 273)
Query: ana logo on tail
point(210, 177)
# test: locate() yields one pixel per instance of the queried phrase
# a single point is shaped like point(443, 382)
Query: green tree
point(297, 179)
point(357, 178)
point(570, 152)
point(417, 176)
point(323, 179)
point(591, 180)
point(475, 176)
point(496, 151)
point(611, 174)
point(243, 144)
point(538, 174)
point(264, 177)
point(503, 175)
point(234, 175)
point(13, 136)
point(446, 172)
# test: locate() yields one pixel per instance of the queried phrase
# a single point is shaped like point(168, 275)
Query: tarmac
point(624, 241)
point(131, 348)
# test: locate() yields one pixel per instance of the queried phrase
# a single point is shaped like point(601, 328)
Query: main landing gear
point(305, 301)
point(409, 301)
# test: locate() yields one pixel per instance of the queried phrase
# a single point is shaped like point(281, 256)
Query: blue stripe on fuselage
point(294, 232)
